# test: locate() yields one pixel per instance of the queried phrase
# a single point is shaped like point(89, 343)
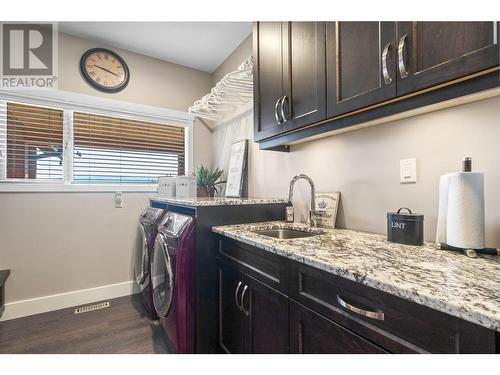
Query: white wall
point(364, 165)
point(63, 242)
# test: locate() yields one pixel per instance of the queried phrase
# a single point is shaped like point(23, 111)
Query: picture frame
point(237, 168)
point(326, 207)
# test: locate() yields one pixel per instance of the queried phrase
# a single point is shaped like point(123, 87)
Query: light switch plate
point(408, 171)
point(118, 199)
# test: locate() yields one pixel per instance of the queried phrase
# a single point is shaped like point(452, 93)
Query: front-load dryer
point(173, 280)
point(147, 231)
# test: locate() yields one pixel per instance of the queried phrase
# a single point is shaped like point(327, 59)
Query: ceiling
point(199, 45)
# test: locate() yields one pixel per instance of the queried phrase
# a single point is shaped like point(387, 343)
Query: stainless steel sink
point(284, 234)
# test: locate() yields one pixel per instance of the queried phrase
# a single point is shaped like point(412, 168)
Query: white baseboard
point(39, 305)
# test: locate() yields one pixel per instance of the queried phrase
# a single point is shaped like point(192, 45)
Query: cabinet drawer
point(311, 333)
point(268, 268)
point(398, 322)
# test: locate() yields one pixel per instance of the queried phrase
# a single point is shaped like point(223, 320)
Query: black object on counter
point(488, 251)
point(467, 252)
point(471, 253)
point(405, 228)
point(467, 164)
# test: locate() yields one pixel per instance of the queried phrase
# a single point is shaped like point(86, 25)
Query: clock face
point(104, 70)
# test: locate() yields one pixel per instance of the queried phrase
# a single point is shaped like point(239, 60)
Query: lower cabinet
point(234, 332)
point(268, 304)
point(253, 318)
point(312, 333)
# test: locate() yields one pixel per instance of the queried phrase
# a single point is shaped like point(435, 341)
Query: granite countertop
point(218, 201)
point(443, 280)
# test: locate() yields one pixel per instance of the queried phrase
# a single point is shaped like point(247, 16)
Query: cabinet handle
point(283, 116)
point(379, 315)
point(385, 71)
point(276, 115)
point(236, 296)
point(242, 301)
point(401, 64)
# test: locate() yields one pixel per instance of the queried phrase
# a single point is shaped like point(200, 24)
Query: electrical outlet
point(118, 199)
point(408, 171)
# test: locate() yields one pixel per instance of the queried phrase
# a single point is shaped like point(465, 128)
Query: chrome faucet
point(312, 210)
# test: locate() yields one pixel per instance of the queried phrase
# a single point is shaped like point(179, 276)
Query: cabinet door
point(234, 328)
point(268, 78)
point(312, 333)
point(304, 74)
point(268, 313)
point(360, 65)
point(430, 53)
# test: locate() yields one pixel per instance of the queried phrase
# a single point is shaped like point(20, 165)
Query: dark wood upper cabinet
point(320, 77)
point(361, 67)
point(269, 57)
point(431, 53)
point(289, 80)
point(304, 75)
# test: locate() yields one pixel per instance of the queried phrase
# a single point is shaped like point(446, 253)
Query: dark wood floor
point(124, 327)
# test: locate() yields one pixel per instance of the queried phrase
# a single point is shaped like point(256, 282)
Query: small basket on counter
point(405, 227)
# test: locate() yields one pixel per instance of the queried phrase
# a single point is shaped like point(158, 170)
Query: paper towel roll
point(465, 218)
point(443, 209)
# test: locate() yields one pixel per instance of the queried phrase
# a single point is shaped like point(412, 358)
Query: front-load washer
point(147, 231)
point(173, 280)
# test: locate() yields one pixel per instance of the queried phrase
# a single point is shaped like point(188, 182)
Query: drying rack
point(232, 91)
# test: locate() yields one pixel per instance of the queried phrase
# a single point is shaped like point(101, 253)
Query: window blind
point(31, 142)
point(120, 150)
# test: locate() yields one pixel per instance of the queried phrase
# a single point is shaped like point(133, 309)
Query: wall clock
point(104, 70)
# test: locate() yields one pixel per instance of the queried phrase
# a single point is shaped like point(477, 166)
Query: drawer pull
point(236, 296)
point(385, 70)
point(282, 104)
point(242, 302)
point(276, 115)
point(379, 315)
point(401, 63)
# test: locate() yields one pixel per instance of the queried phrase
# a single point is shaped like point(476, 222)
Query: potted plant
point(207, 181)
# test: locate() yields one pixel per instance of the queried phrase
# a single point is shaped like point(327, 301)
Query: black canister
point(405, 228)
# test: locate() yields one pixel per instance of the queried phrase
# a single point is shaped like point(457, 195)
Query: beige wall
point(364, 165)
point(240, 54)
point(152, 82)
point(62, 242)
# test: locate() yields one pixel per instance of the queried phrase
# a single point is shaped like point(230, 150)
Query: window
point(32, 142)
point(68, 145)
point(111, 149)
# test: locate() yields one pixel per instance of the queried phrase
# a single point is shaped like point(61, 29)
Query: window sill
point(15, 187)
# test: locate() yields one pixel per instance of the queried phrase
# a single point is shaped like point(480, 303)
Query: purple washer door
point(162, 277)
point(179, 323)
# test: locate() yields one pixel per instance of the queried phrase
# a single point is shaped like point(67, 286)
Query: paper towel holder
point(444, 242)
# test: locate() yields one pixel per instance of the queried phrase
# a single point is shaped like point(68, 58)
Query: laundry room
point(277, 181)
